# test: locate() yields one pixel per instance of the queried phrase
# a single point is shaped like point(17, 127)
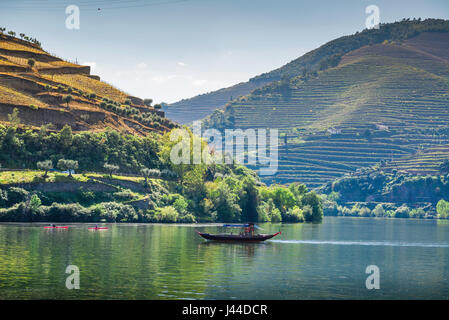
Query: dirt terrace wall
point(64, 187)
point(38, 117)
point(135, 186)
point(67, 70)
point(20, 84)
point(42, 57)
point(12, 69)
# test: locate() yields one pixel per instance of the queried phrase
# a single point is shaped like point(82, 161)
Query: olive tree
point(146, 173)
point(45, 166)
point(67, 165)
point(67, 99)
point(31, 62)
point(111, 168)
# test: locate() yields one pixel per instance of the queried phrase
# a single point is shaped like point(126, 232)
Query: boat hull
point(237, 238)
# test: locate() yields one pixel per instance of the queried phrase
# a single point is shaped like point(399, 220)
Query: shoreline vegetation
point(396, 194)
point(67, 177)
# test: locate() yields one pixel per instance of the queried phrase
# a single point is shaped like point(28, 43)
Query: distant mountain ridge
point(328, 55)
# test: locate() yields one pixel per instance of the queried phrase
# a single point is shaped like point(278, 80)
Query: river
point(160, 261)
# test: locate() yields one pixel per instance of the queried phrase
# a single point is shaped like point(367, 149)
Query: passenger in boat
point(249, 231)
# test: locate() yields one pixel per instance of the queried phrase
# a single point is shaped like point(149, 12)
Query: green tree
point(34, 203)
point(193, 183)
point(443, 209)
point(379, 210)
point(111, 168)
point(402, 212)
point(225, 203)
point(31, 62)
point(67, 165)
point(13, 118)
point(66, 136)
point(313, 200)
point(45, 166)
point(276, 216)
point(146, 174)
point(181, 205)
point(67, 99)
point(178, 152)
point(166, 214)
point(249, 199)
point(283, 198)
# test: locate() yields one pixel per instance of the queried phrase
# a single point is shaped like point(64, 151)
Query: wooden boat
point(237, 237)
point(247, 236)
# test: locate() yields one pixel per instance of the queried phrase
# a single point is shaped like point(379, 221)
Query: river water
point(155, 261)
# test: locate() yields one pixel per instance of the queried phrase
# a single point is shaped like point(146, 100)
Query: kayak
point(61, 227)
point(99, 228)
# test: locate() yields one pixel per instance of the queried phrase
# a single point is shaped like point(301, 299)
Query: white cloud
point(182, 64)
point(142, 65)
point(199, 82)
point(164, 78)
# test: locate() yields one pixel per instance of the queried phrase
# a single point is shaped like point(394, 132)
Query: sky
point(169, 50)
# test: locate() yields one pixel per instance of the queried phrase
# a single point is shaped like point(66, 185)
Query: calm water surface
point(150, 261)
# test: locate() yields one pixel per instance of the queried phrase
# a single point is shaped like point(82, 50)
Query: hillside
point(382, 101)
point(36, 83)
point(328, 55)
point(419, 181)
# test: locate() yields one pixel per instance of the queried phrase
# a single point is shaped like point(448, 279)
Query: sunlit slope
point(383, 101)
point(36, 83)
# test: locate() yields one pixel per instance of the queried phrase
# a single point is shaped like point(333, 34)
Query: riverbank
point(30, 196)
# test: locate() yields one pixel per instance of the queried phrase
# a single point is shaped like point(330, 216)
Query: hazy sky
point(173, 49)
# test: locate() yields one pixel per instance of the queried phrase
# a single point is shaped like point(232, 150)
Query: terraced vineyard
point(326, 56)
point(36, 84)
point(424, 162)
point(381, 102)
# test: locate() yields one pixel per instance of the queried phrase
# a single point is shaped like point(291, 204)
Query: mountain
point(198, 107)
point(385, 100)
point(37, 83)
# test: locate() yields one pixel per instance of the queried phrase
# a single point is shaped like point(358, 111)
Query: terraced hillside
point(46, 89)
point(326, 56)
point(424, 162)
point(381, 102)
